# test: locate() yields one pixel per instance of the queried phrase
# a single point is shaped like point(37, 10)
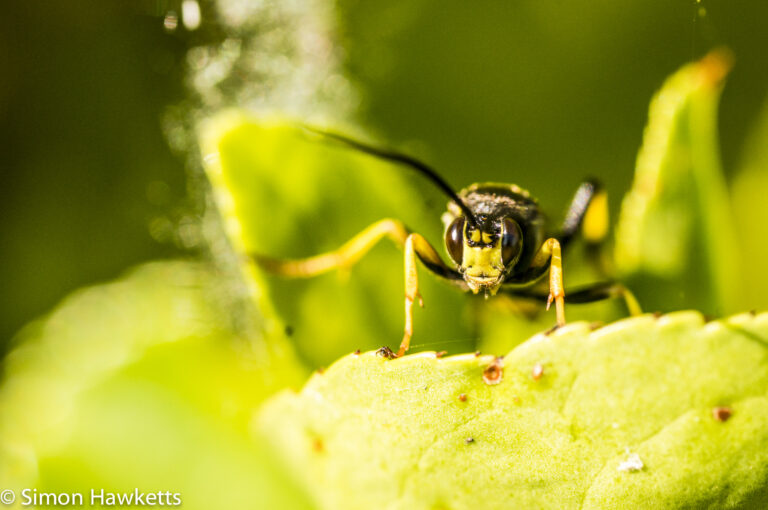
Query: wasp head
point(484, 250)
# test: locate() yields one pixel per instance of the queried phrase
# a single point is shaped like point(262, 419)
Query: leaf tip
point(716, 65)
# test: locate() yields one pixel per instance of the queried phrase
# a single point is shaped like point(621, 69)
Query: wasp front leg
point(418, 247)
point(550, 253)
point(411, 291)
point(352, 251)
point(343, 258)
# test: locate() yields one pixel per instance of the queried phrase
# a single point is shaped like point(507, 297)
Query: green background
point(540, 93)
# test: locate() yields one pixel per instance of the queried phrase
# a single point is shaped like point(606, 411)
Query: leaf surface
point(560, 430)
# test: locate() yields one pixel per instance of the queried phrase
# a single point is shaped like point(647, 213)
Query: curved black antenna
point(397, 157)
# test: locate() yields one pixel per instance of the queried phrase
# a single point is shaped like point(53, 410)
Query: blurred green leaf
point(144, 383)
point(284, 193)
point(571, 416)
point(751, 214)
point(675, 240)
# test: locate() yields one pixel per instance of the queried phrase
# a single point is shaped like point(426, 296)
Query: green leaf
point(750, 188)
point(619, 417)
point(144, 383)
point(284, 193)
point(675, 240)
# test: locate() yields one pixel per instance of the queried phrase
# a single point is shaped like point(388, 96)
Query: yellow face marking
point(476, 236)
point(483, 267)
point(487, 238)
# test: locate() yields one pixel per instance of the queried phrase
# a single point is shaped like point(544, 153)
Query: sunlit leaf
point(675, 241)
point(142, 383)
point(643, 413)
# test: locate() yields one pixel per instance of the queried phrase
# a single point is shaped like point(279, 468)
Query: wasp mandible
point(496, 237)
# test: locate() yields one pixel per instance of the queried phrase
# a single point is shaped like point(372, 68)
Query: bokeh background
point(541, 93)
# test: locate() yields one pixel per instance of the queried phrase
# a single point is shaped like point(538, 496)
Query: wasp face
point(484, 251)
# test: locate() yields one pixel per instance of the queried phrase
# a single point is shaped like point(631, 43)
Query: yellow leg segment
point(414, 244)
point(345, 257)
point(631, 301)
point(550, 251)
point(348, 254)
point(411, 294)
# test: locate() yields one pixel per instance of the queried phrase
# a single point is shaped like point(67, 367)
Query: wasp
point(496, 237)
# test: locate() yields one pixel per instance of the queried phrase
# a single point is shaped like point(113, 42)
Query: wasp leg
point(353, 250)
point(550, 252)
point(417, 246)
point(588, 212)
point(589, 294)
point(344, 257)
point(588, 215)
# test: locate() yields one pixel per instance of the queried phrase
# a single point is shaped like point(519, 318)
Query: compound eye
point(511, 242)
point(454, 240)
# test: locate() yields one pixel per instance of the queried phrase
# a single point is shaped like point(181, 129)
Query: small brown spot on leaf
point(469, 440)
point(386, 352)
point(657, 315)
point(477, 354)
point(595, 325)
point(753, 312)
point(537, 372)
point(722, 413)
point(357, 352)
point(494, 372)
point(440, 354)
point(317, 445)
point(463, 397)
point(320, 370)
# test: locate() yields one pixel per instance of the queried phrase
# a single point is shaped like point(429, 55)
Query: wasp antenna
point(397, 157)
